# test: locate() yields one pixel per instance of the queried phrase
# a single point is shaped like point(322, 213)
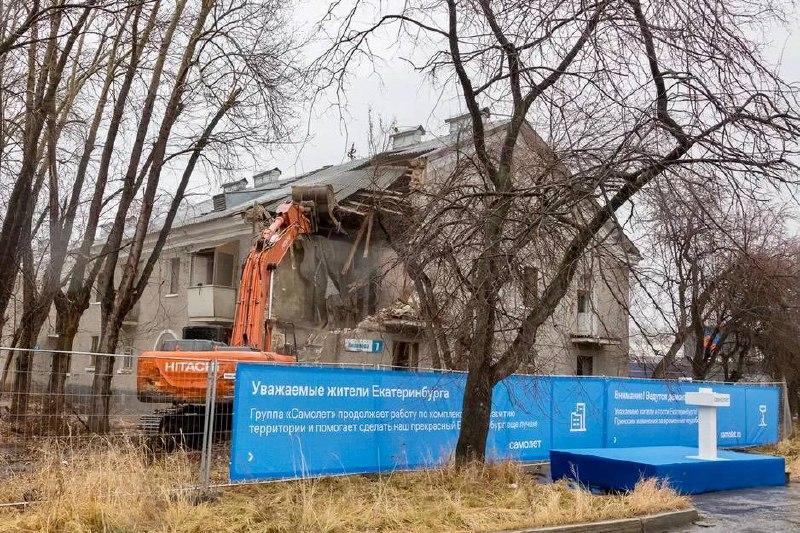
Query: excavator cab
point(207, 332)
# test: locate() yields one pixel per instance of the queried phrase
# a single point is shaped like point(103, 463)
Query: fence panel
point(295, 421)
point(86, 400)
point(93, 402)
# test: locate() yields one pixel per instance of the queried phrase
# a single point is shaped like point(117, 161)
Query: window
point(203, 268)
point(211, 267)
point(127, 360)
point(585, 365)
point(174, 275)
point(223, 269)
point(405, 355)
point(93, 350)
point(530, 286)
point(583, 301)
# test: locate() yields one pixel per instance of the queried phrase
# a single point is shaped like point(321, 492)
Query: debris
point(397, 310)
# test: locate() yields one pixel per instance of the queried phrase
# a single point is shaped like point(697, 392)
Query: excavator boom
point(253, 321)
point(177, 372)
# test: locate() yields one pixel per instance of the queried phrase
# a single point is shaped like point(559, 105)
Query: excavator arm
point(179, 374)
point(253, 320)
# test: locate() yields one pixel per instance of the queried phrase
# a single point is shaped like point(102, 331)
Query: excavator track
point(150, 424)
point(182, 426)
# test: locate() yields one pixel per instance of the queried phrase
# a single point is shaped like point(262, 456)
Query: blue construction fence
point(300, 421)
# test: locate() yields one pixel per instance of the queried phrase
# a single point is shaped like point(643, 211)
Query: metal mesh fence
point(85, 401)
point(55, 394)
point(82, 401)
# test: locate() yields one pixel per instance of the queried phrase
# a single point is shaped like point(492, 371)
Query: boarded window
point(174, 275)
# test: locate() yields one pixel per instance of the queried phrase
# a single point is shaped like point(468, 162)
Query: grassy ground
point(790, 449)
point(113, 490)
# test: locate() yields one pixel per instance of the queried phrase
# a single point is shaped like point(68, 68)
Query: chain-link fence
point(175, 401)
point(78, 401)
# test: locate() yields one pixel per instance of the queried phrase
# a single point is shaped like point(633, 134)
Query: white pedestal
point(707, 402)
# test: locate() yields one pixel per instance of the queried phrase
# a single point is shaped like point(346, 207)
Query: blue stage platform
point(621, 468)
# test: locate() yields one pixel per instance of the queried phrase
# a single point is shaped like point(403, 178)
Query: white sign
point(707, 398)
point(707, 402)
point(577, 418)
point(763, 410)
point(363, 345)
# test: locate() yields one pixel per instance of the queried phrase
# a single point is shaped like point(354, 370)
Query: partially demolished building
point(341, 295)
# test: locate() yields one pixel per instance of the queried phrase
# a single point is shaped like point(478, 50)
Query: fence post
point(208, 424)
point(786, 426)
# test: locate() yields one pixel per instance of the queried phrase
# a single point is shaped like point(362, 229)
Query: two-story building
point(341, 296)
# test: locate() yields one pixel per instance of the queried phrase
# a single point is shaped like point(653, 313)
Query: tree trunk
point(55, 402)
point(103, 375)
point(20, 388)
point(31, 326)
point(662, 368)
point(6, 366)
point(792, 394)
point(475, 416)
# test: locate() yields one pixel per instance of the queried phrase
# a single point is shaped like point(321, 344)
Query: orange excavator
point(177, 372)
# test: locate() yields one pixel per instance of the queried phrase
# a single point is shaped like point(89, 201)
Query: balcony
point(588, 331)
point(211, 303)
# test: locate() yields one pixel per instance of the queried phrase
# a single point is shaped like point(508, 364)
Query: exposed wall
point(314, 302)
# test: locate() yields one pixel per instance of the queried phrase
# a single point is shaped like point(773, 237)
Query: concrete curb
point(642, 524)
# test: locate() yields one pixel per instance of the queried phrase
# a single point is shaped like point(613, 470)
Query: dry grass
point(790, 449)
point(121, 491)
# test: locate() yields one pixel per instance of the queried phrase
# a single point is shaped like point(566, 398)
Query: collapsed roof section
point(354, 182)
point(359, 185)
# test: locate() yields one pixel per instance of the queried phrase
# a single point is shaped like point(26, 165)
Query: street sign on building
point(363, 345)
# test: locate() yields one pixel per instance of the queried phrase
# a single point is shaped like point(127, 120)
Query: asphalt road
point(770, 509)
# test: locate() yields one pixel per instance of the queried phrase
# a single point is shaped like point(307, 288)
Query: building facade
point(342, 296)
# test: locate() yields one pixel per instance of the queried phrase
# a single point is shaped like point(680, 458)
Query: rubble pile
point(398, 310)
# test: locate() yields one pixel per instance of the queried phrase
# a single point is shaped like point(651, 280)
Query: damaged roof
point(346, 179)
point(371, 173)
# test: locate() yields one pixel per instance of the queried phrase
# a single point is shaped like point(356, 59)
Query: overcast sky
point(396, 92)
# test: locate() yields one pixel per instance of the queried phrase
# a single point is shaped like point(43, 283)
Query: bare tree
point(194, 83)
point(756, 297)
point(777, 337)
point(53, 80)
point(46, 36)
point(703, 247)
point(621, 92)
point(235, 59)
